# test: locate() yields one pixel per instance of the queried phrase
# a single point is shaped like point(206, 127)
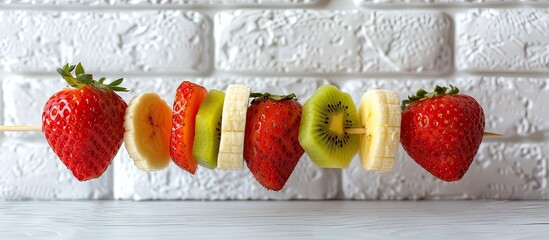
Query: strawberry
point(271, 147)
point(84, 125)
point(442, 131)
point(188, 98)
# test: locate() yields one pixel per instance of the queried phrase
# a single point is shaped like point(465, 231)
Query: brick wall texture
point(494, 50)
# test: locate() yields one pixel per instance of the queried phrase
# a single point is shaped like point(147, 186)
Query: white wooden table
point(274, 220)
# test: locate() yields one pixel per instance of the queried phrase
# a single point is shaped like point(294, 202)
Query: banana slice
point(380, 115)
point(148, 123)
point(233, 124)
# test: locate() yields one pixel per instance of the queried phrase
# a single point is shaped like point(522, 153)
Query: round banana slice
point(233, 124)
point(380, 115)
point(148, 124)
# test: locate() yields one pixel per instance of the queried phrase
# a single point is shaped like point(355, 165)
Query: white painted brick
point(24, 100)
point(307, 181)
point(441, 2)
point(512, 167)
point(168, 41)
point(159, 2)
point(503, 40)
point(31, 171)
point(307, 41)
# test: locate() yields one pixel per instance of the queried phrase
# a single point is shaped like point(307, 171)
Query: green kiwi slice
point(322, 134)
point(208, 129)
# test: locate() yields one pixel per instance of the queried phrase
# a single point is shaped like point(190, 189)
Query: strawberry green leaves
point(422, 94)
point(263, 96)
point(83, 79)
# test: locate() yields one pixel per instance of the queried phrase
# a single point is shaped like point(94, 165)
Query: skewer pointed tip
point(491, 134)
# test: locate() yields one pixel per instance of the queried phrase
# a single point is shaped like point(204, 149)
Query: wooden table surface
point(274, 220)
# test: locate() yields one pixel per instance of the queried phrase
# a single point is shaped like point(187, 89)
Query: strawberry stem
point(84, 79)
point(422, 94)
point(263, 96)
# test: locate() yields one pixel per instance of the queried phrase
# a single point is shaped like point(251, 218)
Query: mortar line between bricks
point(225, 75)
point(2, 109)
point(323, 5)
point(452, 41)
point(117, 8)
point(199, 8)
point(442, 6)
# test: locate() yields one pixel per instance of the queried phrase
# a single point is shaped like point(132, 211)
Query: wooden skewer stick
point(491, 135)
point(363, 131)
point(37, 128)
point(21, 128)
point(359, 131)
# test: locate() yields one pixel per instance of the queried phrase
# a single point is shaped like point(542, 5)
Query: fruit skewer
point(38, 128)
point(331, 129)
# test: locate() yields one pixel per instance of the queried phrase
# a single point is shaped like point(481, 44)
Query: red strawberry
point(271, 147)
point(188, 98)
point(85, 125)
point(442, 131)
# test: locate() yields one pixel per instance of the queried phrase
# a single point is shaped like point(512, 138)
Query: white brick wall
point(503, 40)
point(498, 55)
point(294, 41)
point(160, 41)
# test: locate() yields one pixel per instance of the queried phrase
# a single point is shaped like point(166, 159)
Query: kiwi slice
point(322, 134)
point(208, 129)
